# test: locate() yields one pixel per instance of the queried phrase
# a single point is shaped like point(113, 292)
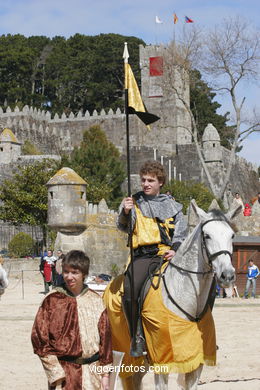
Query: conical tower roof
point(8, 136)
point(66, 176)
point(210, 133)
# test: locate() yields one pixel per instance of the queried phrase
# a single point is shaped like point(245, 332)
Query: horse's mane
point(219, 215)
point(190, 243)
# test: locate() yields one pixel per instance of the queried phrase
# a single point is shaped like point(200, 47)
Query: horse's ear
point(201, 214)
point(233, 212)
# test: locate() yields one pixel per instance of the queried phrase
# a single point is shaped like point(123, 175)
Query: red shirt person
point(247, 210)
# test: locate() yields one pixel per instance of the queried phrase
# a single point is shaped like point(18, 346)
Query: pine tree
point(98, 162)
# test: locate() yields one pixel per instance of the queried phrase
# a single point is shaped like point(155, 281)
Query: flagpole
point(129, 193)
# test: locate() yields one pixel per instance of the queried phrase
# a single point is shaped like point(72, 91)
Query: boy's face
point(150, 185)
point(73, 279)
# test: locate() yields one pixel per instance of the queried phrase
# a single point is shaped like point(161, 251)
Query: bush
point(184, 191)
point(28, 148)
point(21, 245)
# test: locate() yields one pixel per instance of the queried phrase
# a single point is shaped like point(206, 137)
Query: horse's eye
point(207, 236)
point(233, 235)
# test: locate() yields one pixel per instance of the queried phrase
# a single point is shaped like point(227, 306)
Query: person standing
point(71, 332)
point(247, 210)
point(158, 229)
point(58, 269)
point(252, 273)
point(238, 200)
point(47, 266)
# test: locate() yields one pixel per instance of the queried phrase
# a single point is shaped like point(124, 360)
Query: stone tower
point(10, 148)
point(212, 150)
point(67, 202)
point(160, 98)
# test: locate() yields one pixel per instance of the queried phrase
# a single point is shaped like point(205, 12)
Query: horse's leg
point(192, 379)
point(127, 383)
point(181, 381)
point(161, 381)
point(133, 382)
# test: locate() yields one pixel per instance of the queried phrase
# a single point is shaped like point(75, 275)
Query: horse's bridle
point(211, 257)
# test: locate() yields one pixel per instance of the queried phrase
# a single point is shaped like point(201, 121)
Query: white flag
point(158, 20)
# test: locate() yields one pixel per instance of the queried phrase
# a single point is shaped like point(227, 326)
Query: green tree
point(24, 196)
point(98, 162)
point(61, 74)
point(19, 57)
point(184, 191)
point(86, 72)
point(204, 109)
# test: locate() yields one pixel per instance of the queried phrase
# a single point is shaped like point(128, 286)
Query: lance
point(133, 105)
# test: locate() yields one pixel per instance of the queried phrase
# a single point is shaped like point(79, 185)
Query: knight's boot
point(138, 347)
point(135, 328)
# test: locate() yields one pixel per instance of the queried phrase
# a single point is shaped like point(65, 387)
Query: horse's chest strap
point(188, 315)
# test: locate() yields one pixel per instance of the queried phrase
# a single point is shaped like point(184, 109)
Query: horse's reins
point(211, 257)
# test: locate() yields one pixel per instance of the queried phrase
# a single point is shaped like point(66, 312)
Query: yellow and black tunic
point(158, 225)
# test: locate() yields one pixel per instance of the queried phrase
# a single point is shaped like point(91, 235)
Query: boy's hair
point(77, 260)
point(153, 168)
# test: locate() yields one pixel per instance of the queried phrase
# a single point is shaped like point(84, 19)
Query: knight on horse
point(181, 271)
point(158, 229)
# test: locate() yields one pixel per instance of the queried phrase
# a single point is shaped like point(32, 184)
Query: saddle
point(149, 282)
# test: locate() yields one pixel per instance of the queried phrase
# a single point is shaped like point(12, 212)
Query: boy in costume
point(71, 333)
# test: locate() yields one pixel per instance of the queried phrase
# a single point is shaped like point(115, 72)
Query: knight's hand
point(128, 204)
point(168, 255)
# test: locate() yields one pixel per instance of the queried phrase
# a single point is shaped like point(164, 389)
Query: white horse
point(188, 279)
point(185, 288)
point(3, 280)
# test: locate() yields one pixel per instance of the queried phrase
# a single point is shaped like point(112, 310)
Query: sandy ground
point(238, 338)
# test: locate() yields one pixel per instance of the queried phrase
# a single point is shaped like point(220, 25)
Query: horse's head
point(216, 241)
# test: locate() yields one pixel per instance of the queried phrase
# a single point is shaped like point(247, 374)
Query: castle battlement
point(168, 140)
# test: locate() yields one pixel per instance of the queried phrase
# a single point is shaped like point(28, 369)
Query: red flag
point(188, 20)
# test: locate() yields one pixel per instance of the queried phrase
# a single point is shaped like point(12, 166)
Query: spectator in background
point(255, 198)
point(46, 268)
point(252, 273)
point(58, 269)
point(169, 194)
point(247, 210)
point(238, 200)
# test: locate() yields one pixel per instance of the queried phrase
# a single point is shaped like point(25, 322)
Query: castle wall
point(101, 240)
point(63, 133)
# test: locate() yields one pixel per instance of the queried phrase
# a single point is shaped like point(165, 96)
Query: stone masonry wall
point(105, 245)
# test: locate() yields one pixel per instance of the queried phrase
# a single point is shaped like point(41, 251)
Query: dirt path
point(238, 338)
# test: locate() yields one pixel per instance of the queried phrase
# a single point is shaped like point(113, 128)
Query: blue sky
point(130, 18)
